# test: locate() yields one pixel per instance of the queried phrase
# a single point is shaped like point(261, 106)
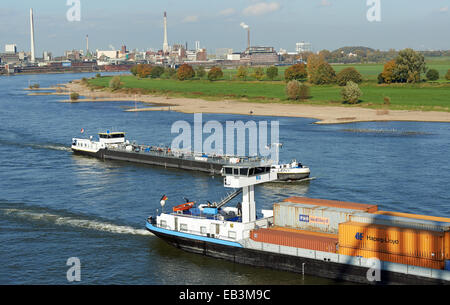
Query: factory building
point(260, 56)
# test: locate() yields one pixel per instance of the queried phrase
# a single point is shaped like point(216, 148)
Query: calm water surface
point(54, 205)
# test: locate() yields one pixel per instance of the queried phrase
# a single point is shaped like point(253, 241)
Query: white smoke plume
point(244, 26)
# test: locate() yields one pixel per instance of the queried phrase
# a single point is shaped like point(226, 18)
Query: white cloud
point(190, 19)
point(227, 12)
point(261, 8)
point(443, 9)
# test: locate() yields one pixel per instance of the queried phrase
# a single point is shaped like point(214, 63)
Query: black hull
point(264, 259)
point(167, 162)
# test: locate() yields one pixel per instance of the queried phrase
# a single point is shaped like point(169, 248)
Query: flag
point(82, 130)
point(164, 197)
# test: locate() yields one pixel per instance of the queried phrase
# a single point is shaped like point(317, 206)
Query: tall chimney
point(166, 44)
point(87, 45)
point(248, 39)
point(33, 56)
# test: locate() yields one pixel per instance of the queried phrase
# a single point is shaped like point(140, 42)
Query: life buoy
point(183, 207)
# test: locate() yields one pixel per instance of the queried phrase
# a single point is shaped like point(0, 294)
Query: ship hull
point(292, 177)
point(307, 266)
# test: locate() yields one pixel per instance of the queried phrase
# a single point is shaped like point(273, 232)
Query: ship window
point(203, 230)
point(232, 234)
point(228, 170)
point(183, 227)
point(244, 171)
point(251, 172)
point(163, 224)
point(236, 171)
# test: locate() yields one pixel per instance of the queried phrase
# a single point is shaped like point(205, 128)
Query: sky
point(138, 24)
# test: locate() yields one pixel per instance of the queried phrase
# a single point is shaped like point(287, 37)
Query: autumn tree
point(258, 73)
point(296, 72)
point(215, 73)
point(200, 72)
point(388, 72)
point(242, 73)
point(314, 61)
point(351, 93)
point(323, 74)
point(184, 72)
point(144, 70)
point(348, 74)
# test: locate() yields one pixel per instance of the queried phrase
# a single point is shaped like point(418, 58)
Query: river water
point(55, 205)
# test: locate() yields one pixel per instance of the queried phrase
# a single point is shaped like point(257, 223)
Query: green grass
point(425, 96)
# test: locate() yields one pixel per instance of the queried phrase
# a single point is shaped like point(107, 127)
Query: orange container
point(293, 239)
point(369, 208)
point(394, 258)
point(447, 245)
point(414, 216)
point(392, 240)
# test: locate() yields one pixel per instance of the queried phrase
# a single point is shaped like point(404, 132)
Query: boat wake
point(47, 146)
point(70, 221)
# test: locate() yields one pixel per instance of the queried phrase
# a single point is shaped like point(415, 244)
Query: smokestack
point(166, 44)
point(87, 45)
point(248, 38)
point(33, 57)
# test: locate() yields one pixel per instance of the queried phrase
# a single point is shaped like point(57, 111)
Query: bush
point(324, 74)
point(115, 83)
point(74, 96)
point(169, 72)
point(143, 71)
point(348, 74)
point(242, 73)
point(296, 90)
point(447, 76)
point(272, 72)
point(351, 93)
point(381, 78)
point(156, 72)
point(215, 73)
point(432, 74)
point(200, 72)
point(134, 70)
point(98, 75)
point(258, 73)
point(185, 72)
point(296, 72)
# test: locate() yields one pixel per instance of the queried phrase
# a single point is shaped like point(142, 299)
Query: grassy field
point(424, 96)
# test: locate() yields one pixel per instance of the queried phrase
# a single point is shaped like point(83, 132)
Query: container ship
point(325, 238)
point(113, 146)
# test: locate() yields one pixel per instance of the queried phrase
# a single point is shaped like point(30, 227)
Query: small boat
point(293, 171)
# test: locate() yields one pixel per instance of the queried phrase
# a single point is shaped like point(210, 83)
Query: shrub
point(185, 72)
point(351, 93)
point(381, 78)
point(74, 96)
point(258, 73)
point(447, 76)
point(296, 72)
point(169, 72)
point(348, 74)
point(200, 72)
point(432, 74)
point(134, 70)
point(324, 74)
point(156, 72)
point(272, 72)
point(98, 75)
point(296, 90)
point(388, 72)
point(115, 83)
point(215, 73)
point(242, 73)
point(143, 71)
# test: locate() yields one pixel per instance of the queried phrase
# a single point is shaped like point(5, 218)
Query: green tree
point(324, 74)
point(242, 73)
point(156, 72)
point(74, 96)
point(348, 74)
point(409, 64)
point(351, 93)
point(169, 72)
point(314, 61)
point(258, 73)
point(115, 83)
point(215, 73)
point(134, 70)
point(296, 72)
point(200, 72)
point(447, 76)
point(433, 74)
point(272, 72)
point(185, 72)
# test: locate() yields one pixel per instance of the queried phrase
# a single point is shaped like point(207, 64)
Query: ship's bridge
point(111, 137)
point(246, 177)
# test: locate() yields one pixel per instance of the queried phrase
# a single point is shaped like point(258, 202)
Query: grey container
point(310, 217)
point(403, 222)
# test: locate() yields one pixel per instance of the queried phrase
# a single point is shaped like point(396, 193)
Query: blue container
point(447, 264)
point(210, 211)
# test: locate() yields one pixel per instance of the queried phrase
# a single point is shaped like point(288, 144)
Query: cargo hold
point(369, 208)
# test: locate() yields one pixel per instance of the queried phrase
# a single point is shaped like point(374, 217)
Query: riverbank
point(324, 114)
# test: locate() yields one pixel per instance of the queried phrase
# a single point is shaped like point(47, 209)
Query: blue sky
point(327, 24)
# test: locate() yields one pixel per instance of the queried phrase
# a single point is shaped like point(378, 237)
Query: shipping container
point(392, 240)
point(414, 216)
point(447, 245)
point(313, 233)
point(447, 265)
point(369, 208)
point(394, 258)
point(296, 240)
point(419, 224)
point(310, 217)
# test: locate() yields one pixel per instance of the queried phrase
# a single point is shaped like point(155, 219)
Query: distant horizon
point(326, 24)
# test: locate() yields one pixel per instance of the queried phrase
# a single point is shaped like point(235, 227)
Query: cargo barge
point(113, 146)
point(325, 238)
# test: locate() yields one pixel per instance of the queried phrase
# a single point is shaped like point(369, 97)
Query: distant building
point(234, 56)
point(108, 54)
point(223, 53)
point(47, 56)
point(11, 48)
point(302, 47)
point(73, 55)
point(260, 56)
point(201, 55)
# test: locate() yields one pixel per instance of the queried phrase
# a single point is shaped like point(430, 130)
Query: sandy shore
point(324, 114)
